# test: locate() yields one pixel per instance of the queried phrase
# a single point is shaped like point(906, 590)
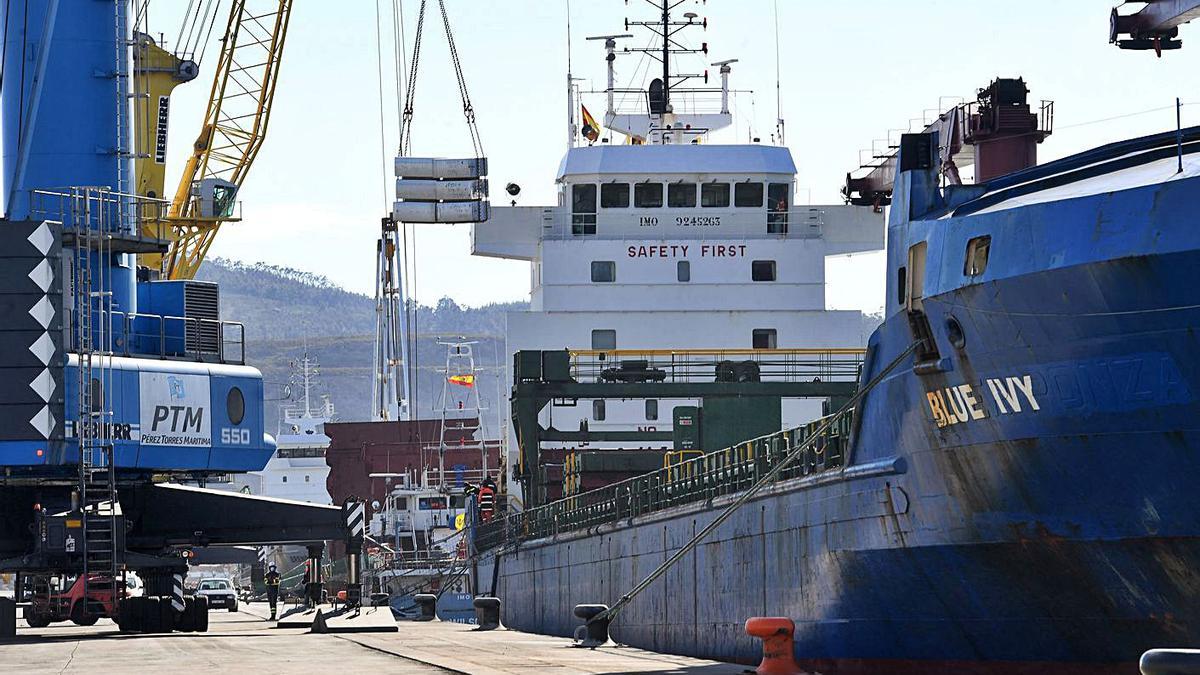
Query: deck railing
point(697, 480)
point(179, 337)
point(701, 365)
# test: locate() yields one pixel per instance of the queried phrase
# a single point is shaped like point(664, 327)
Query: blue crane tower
point(111, 379)
point(139, 369)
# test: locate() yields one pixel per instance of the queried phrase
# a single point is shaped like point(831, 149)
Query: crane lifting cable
point(439, 190)
point(468, 108)
point(428, 190)
point(192, 33)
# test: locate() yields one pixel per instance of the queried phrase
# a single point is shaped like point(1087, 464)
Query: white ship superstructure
point(677, 247)
point(672, 242)
point(297, 470)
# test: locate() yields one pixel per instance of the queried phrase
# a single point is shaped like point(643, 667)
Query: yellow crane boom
point(156, 74)
point(235, 124)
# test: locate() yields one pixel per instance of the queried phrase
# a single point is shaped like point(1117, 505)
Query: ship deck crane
point(234, 127)
point(1154, 26)
point(428, 190)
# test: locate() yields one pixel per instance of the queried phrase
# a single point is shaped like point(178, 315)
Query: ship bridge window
point(604, 339)
point(777, 208)
point(762, 270)
point(651, 409)
point(583, 209)
point(598, 410)
point(748, 195)
point(648, 195)
point(614, 196)
point(604, 271)
point(431, 503)
point(977, 255)
point(714, 195)
point(764, 338)
point(683, 270)
point(681, 195)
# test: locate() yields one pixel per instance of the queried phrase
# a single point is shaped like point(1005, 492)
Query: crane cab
point(215, 199)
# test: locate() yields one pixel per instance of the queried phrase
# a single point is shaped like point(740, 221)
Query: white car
point(220, 593)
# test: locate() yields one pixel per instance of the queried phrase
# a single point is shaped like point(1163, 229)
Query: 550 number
point(235, 436)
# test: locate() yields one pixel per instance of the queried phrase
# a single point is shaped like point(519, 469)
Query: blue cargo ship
point(1016, 497)
point(1048, 422)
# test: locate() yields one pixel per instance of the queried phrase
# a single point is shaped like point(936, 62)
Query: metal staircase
point(91, 210)
point(97, 214)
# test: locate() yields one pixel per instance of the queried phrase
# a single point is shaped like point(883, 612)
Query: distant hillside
point(286, 310)
point(279, 302)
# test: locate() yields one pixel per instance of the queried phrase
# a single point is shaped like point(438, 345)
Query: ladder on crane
point(95, 214)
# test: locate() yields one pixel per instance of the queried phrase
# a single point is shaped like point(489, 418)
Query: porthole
point(954, 333)
point(235, 405)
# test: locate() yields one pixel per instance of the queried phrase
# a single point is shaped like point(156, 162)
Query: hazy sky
point(850, 72)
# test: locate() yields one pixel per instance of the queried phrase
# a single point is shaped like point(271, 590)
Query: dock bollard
point(592, 633)
point(1170, 662)
point(778, 644)
point(487, 613)
point(427, 603)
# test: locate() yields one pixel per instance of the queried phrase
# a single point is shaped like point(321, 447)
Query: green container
point(527, 366)
point(729, 421)
point(556, 366)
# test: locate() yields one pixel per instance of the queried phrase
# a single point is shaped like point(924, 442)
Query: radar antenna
point(671, 113)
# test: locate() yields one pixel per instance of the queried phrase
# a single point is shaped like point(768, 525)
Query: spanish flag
point(464, 380)
point(591, 130)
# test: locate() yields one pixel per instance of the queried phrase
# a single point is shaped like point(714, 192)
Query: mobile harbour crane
point(112, 383)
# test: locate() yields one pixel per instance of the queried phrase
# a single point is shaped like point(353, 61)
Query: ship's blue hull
point(1032, 506)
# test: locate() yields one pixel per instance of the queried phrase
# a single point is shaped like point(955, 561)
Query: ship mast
point(664, 125)
point(666, 55)
point(306, 374)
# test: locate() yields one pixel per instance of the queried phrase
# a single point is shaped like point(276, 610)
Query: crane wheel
point(80, 616)
point(129, 615)
point(152, 616)
point(202, 615)
point(185, 621)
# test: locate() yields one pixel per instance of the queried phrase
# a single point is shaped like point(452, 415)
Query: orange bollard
point(777, 634)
